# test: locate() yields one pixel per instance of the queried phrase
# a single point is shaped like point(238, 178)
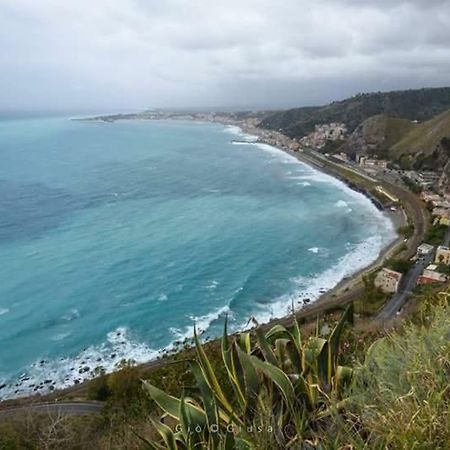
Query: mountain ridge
point(413, 104)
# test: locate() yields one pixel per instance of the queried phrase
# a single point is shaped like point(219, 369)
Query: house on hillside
point(442, 255)
point(431, 275)
point(388, 280)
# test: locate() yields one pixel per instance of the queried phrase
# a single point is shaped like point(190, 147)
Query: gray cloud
point(132, 54)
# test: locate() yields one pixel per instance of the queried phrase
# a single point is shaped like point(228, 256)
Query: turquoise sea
point(116, 237)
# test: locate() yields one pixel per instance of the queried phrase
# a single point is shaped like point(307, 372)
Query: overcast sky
point(133, 54)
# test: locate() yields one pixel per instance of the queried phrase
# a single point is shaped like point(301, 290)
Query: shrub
point(399, 265)
point(401, 395)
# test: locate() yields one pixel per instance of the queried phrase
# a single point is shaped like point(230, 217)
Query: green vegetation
point(332, 147)
point(436, 234)
point(443, 268)
point(399, 265)
point(371, 301)
point(424, 137)
point(381, 132)
point(406, 231)
point(401, 394)
point(412, 186)
point(419, 104)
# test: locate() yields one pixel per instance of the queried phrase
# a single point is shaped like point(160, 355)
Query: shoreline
point(349, 281)
point(343, 292)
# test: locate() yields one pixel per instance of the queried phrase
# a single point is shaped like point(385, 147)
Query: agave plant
point(279, 381)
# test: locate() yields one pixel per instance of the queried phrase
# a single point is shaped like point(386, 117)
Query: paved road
point(67, 408)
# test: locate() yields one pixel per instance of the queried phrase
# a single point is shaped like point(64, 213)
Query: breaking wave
point(310, 288)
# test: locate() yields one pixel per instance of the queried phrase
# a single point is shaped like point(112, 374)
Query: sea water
point(115, 238)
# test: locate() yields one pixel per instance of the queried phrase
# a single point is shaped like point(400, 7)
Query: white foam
point(64, 372)
point(202, 323)
point(233, 130)
point(211, 286)
point(312, 287)
point(4, 311)
point(237, 131)
point(61, 336)
point(71, 315)
point(356, 259)
point(341, 204)
point(279, 154)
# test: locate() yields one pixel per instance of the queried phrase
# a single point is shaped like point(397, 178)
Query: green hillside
point(424, 137)
point(418, 104)
point(376, 135)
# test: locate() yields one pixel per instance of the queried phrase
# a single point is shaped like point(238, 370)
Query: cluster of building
point(389, 280)
point(425, 179)
point(440, 206)
point(432, 273)
point(372, 165)
point(325, 132)
point(276, 139)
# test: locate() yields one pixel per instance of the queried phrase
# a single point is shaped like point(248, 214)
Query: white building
point(424, 249)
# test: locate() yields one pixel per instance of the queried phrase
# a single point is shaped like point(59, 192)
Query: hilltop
point(411, 144)
point(376, 135)
point(423, 138)
point(416, 104)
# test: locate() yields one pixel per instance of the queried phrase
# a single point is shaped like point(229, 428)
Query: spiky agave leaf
point(171, 405)
point(313, 360)
point(231, 367)
point(192, 432)
point(245, 342)
point(279, 378)
point(166, 433)
point(252, 384)
point(265, 348)
point(277, 332)
point(334, 340)
point(210, 376)
point(209, 403)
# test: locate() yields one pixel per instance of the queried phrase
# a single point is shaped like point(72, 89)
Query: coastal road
point(407, 284)
point(63, 408)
